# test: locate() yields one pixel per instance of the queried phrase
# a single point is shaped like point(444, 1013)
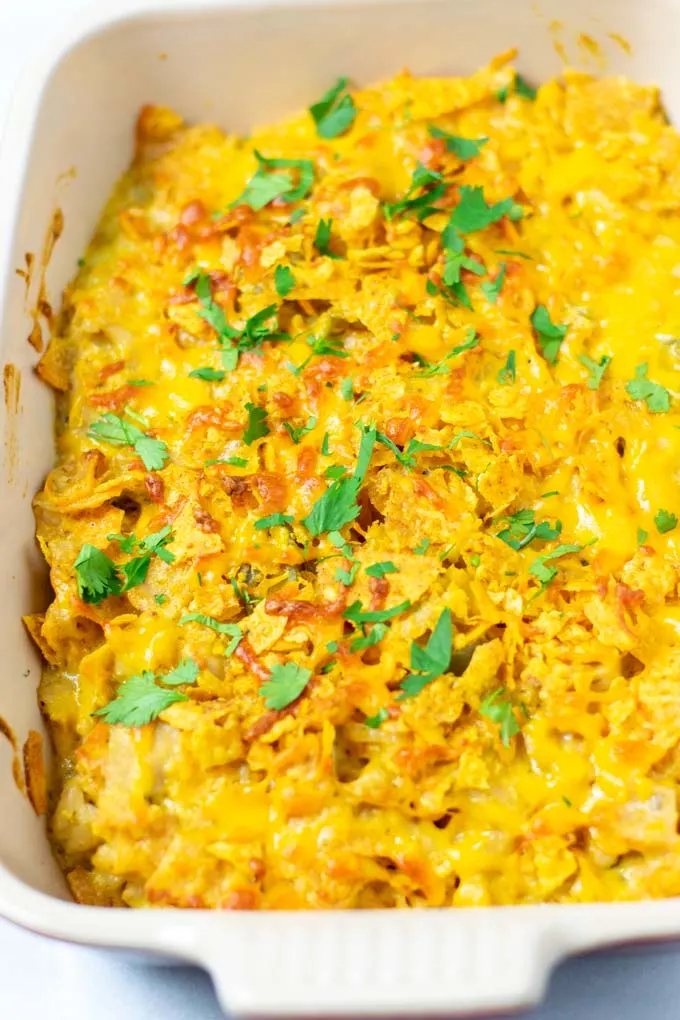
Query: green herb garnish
point(322, 239)
point(208, 374)
point(285, 685)
point(380, 569)
point(335, 112)
point(431, 186)
point(257, 426)
point(665, 521)
point(432, 660)
point(267, 184)
point(338, 505)
point(231, 630)
point(501, 713)
point(508, 373)
point(273, 521)
point(596, 369)
point(464, 148)
point(549, 334)
point(284, 281)
point(657, 398)
point(112, 429)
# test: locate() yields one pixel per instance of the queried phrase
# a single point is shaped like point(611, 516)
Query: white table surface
point(40, 978)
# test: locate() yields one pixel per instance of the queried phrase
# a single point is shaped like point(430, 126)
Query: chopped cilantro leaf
point(140, 382)
point(322, 239)
point(96, 575)
point(595, 368)
point(284, 281)
point(657, 398)
point(235, 461)
point(492, 288)
point(358, 615)
point(374, 722)
point(112, 429)
point(541, 567)
point(347, 389)
point(208, 374)
point(338, 505)
point(296, 432)
point(500, 712)
point(642, 536)
point(266, 185)
point(257, 426)
point(231, 630)
point(422, 547)
point(549, 334)
point(519, 86)
point(442, 368)
point(335, 111)
point(523, 89)
point(432, 188)
point(474, 213)
point(523, 529)
point(374, 637)
point(508, 373)
point(250, 337)
point(464, 148)
point(665, 521)
point(273, 521)
point(347, 577)
point(186, 673)
point(325, 450)
point(380, 569)
point(285, 685)
point(160, 599)
point(430, 661)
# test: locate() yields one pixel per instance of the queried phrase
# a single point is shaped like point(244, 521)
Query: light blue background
point(40, 979)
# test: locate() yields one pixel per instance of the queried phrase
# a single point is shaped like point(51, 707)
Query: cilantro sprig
point(232, 340)
point(141, 699)
point(96, 575)
point(110, 428)
point(522, 529)
point(338, 505)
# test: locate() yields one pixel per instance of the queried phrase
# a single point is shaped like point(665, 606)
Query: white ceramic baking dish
point(69, 135)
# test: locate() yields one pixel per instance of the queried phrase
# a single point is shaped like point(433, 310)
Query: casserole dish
point(373, 962)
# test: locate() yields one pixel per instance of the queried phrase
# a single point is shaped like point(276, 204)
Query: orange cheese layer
point(224, 802)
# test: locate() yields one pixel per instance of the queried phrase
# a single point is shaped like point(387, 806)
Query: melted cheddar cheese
point(540, 760)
